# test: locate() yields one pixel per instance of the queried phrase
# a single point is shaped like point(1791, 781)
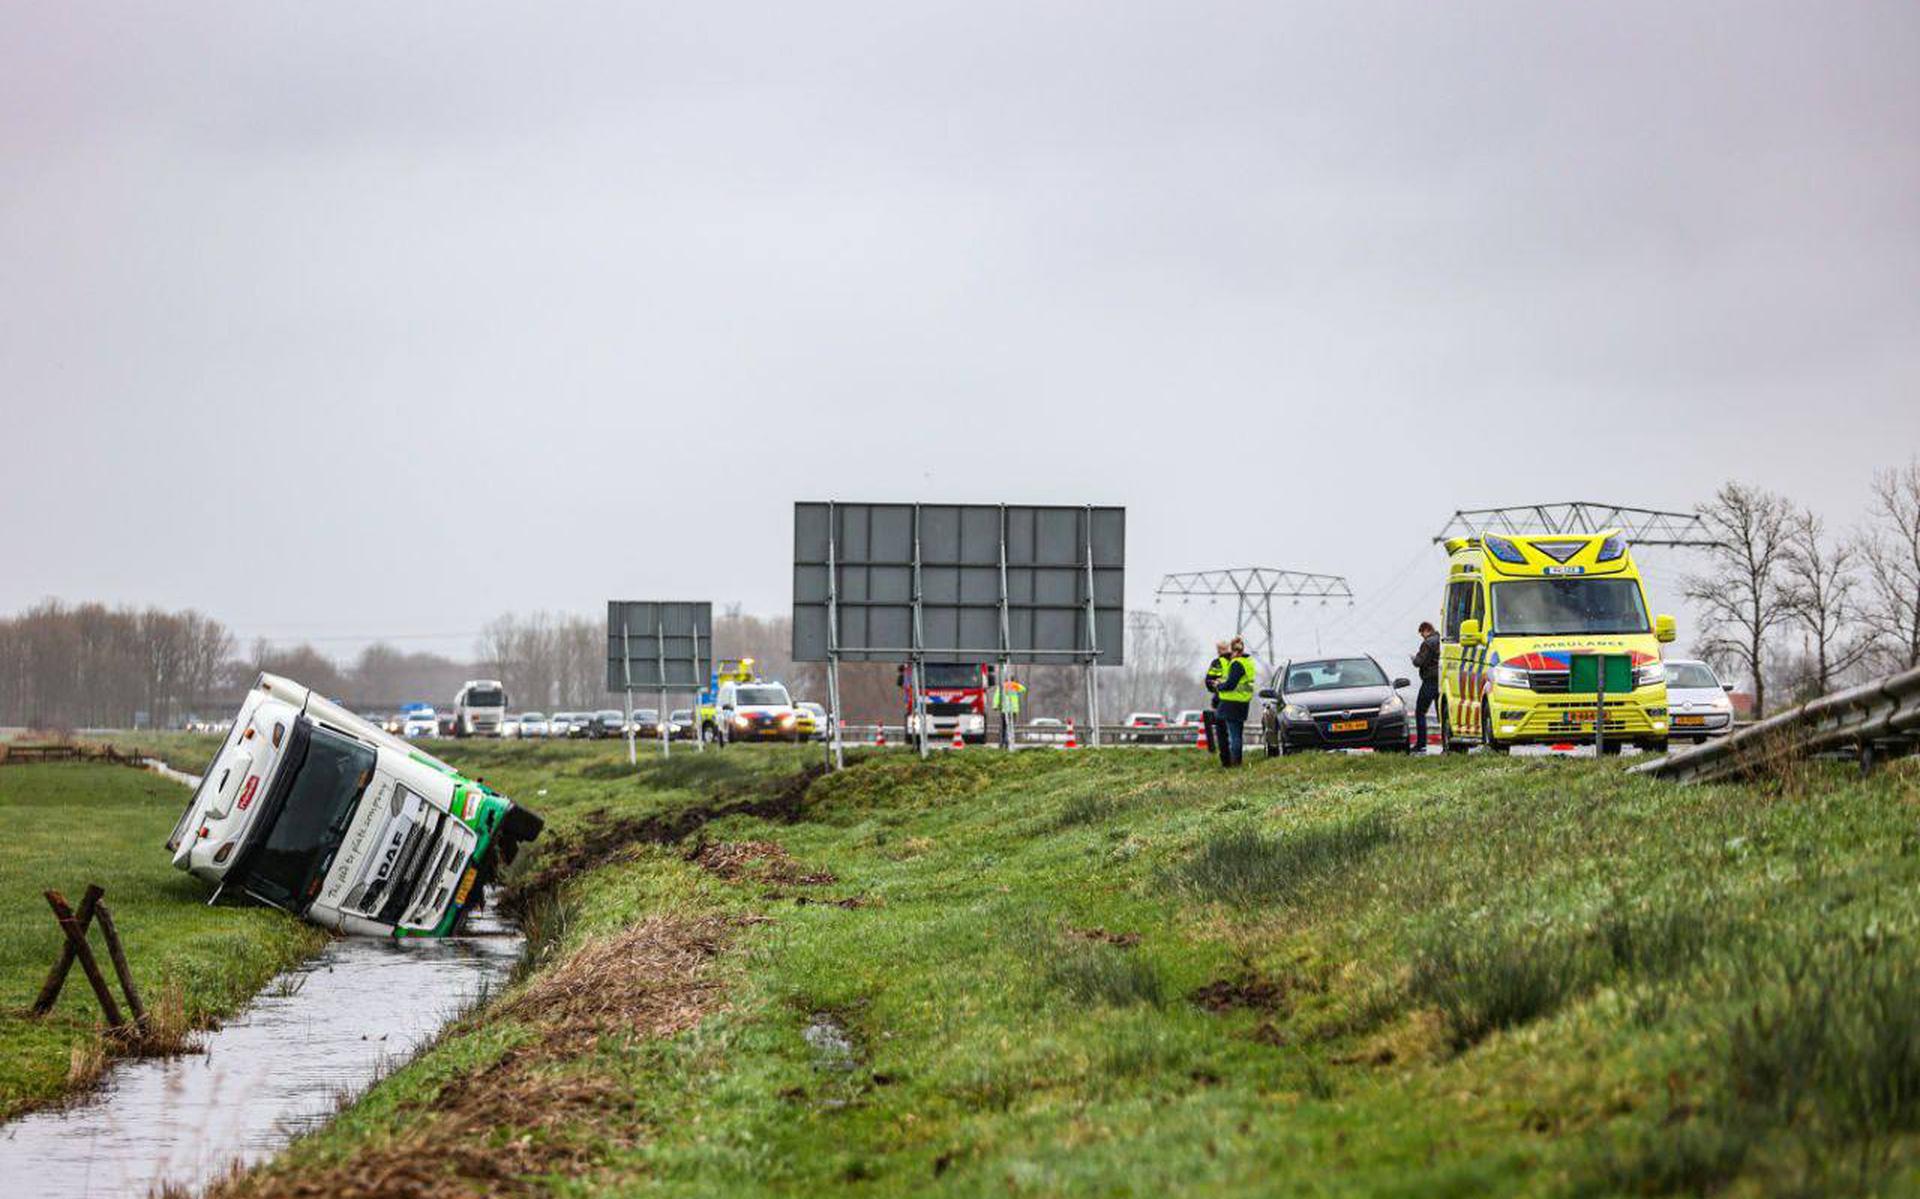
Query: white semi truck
point(308, 808)
point(480, 708)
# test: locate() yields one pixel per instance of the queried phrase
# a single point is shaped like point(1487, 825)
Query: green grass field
point(1127, 973)
point(68, 825)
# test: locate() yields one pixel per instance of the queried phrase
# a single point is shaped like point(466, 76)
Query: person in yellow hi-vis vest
point(1005, 699)
point(1235, 696)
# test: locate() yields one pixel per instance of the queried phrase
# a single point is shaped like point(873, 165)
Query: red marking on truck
point(246, 792)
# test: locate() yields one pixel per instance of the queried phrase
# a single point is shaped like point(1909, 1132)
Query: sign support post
point(626, 664)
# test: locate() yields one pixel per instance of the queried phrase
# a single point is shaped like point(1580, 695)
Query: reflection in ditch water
point(275, 1071)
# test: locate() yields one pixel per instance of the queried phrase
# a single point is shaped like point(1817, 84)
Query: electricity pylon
point(1253, 589)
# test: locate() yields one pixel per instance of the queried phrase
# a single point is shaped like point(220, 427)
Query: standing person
point(1216, 670)
point(1005, 698)
point(1426, 660)
point(1235, 695)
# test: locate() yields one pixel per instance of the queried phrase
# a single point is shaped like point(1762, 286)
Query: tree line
point(1800, 609)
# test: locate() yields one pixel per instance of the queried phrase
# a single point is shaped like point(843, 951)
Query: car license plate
point(1690, 721)
point(466, 886)
point(1346, 726)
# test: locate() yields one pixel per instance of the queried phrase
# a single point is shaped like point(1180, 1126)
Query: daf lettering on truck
point(308, 808)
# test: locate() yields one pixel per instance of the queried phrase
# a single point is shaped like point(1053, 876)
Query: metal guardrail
point(1874, 720)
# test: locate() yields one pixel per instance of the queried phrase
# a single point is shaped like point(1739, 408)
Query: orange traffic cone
point(880, 738)
point(959, 742)
point(1202, 742)
point(1073, 742)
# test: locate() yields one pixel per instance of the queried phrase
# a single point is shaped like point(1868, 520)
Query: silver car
point(1697, 704)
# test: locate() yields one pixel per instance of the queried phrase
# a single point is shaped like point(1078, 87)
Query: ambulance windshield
point(1539, 607)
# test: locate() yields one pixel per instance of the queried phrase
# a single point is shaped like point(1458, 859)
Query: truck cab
point(1519, 614)
point(956, 700)
point(479, 708)
point(310, 809)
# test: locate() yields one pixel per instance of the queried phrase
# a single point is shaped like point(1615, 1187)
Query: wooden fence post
point(77, 938)
point(57, 977)
point(119, 959)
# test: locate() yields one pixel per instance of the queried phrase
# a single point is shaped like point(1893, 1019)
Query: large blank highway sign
point(653, 645)
point(995, 582)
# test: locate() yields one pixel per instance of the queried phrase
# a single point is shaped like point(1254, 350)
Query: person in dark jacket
point(1426, 660)
point(1216, 670)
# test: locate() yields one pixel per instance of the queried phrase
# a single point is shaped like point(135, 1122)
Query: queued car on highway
point(532, 724)
point(1698, 706)
point(597, 726)
point(680, 724)
point(560, 724)
point(1334, 703)
point(419, 722)
point(818, 713)
point(1143, 727)
point(645, 723)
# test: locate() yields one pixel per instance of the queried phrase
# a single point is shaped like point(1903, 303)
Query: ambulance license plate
point(1346, 726)
point(1578, 716)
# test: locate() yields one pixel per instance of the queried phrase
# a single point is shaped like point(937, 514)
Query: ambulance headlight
point(1511, 676)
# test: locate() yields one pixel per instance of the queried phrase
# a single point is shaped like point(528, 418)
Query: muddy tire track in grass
point(605, 838)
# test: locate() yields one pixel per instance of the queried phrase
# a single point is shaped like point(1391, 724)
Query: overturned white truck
point(311, 809)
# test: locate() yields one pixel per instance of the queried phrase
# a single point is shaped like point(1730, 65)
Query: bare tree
point(1890, 546)
point(1818, 586)
point(1740, 596)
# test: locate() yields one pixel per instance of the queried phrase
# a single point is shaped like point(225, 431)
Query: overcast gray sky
point(356, 319)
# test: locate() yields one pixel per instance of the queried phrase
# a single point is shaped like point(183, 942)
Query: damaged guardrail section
point(1875, 720)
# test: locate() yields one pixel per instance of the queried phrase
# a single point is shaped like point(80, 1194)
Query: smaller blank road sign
point(653, 645)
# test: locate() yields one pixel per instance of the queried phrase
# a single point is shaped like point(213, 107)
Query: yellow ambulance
point(1532, 627)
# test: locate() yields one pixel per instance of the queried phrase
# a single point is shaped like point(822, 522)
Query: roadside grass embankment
point(68, 825)
point(1116, 972)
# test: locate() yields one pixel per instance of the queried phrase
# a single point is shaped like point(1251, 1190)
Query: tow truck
point(738, 705)
point(956, 700)
point(310, 809)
